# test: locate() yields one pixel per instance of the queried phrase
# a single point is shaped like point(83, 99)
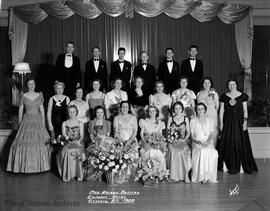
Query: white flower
point(66, 137)
point(120, 161)
point(110, 164)
point(111, 151)
point(117, 166)
point(100, 166)
point(124, 166)
point(102, 158)
point(126, 156)
point(106, 168)
point(62, 143)
point(111, 157)
point(114, 170)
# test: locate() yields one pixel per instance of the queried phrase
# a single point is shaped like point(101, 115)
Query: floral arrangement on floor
point(107, 154)
point(151, 171)
point(157, 141)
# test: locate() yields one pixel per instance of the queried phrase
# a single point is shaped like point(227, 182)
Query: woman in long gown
point(67, 159)
point(179, 155)
point(95, 98)
point(234, 147)
point(161, 100)
point(210, 98)
point(125, 130)
point(57, 110)
point(204, 154)
point(150, 126)
point(30, 152)
point(186, 96)
point(113, 98)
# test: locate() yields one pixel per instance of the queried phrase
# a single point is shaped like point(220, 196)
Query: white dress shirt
point(144, 66)
point(121, 65)
point(96, 64)
point(68, 60)
point(193, 64)
point(170, 66)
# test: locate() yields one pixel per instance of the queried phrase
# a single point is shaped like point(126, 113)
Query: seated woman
point(138, 98)
point(125, 130)
point(179, 156)
point(151, 126)
point(98, 128)
point(113, 99)
point(204, 155)
point(95, 98)
point(161, 100)
point(186, 96)
point(82, 106)
point(68, 164)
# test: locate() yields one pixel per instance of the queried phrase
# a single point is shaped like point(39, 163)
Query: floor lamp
point(22, 68)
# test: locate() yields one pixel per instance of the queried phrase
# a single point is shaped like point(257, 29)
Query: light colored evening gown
point(68, 164)
point(179, 157)
point(150, 128)
point(31, 150)
point(204, 159)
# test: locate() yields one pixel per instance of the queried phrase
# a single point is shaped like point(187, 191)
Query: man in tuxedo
point(95, 68)
point(68, 70)
point(147, 72)
point(169, 72)
point(193, 69)
point(121, 69)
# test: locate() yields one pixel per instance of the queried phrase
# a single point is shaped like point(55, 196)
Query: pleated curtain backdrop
point(216, 41)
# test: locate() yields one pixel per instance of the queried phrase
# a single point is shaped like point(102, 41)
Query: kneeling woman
point(150, 126)
point(204, 155)
point(179, 156)
point(67, 159)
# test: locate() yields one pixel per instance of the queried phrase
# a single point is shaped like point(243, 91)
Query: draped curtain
point(244, 38)
point(18, 31)
point(90, 9)
point(216, 41)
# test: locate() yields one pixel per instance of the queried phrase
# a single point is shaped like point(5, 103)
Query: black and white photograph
point(126, 105)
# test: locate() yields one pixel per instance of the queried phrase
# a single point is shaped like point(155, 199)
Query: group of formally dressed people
point(215, 135)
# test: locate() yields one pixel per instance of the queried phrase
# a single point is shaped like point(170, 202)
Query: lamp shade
point(22, 67)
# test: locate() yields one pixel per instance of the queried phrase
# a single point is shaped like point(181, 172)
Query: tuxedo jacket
point(91, 73)
point(195, 76)
point(125, 75)
point(148, 75)
point(171, 80)
point(69, 76)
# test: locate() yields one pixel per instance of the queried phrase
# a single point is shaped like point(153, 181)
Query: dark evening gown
point(234, 146)
point(59, 115)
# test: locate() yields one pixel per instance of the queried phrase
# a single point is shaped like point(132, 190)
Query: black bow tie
point(96, 60)
point(68, 55)
point(144, 63)
point(192, 59)
point(121, 62)
point(169, 61)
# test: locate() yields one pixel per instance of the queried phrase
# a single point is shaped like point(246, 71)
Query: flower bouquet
point(61, 140)
point(72, 135)
point(176, 133)
point(109, 156)
point(150, 172)
point(211, 93)
point(156, 141)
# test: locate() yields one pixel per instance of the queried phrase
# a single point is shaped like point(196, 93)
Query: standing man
point(95, 68)
point(121, 69)
point(169, 72)
point(68, 70)
point(147, 72)
point(193, 69)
